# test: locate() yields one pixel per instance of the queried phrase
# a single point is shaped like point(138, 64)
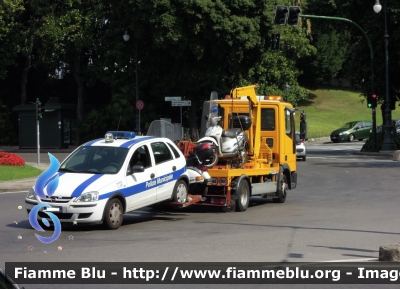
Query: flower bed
point(9, 159)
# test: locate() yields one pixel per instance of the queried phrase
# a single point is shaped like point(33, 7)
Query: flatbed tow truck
point(270, 167)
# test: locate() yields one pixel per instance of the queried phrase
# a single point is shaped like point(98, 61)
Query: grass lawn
point(8, 173)
point(330, 108)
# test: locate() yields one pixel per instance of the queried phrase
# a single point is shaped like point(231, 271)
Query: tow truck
point(270, 167)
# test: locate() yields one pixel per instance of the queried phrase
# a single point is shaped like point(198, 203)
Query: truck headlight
point(88, 197)
point(31, 195)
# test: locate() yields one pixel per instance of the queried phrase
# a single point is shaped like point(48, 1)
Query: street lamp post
point(137, 117)
point(286, 89)
point(388, 142)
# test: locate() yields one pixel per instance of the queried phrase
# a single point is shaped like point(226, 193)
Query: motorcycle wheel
point(213, 162)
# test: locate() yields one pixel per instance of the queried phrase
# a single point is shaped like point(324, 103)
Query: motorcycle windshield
point(161, 128)
point(213, 112)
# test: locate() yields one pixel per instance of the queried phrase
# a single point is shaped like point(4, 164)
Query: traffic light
point(276, 38)
point(371, 100)
point(293, 17)
point(281, 13)
point(303, 126)
point(40, 110)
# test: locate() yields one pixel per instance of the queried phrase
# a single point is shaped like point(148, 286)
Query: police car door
point(141, 186)
point(165, 167)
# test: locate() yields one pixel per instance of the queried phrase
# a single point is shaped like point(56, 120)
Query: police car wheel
point(113, 214)
point(180, 193)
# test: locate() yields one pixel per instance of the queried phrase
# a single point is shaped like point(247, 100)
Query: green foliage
point(277, 68)
point(357, 63)
point(329, 108)
point(186, 48)
point(8, 24)
point(324, 65)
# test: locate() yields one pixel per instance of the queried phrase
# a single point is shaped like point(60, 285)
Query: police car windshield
point(95, 160)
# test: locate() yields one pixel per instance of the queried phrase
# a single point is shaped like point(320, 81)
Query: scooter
point(230, 144)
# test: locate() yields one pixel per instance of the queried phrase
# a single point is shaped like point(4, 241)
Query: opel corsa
point(104, 178)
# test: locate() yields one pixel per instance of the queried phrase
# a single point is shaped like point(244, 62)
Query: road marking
point(4, 193)
point(355, 260)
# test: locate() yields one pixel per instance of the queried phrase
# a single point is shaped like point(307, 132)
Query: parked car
point(396, 124)
point(300, 147)
point(351, 131)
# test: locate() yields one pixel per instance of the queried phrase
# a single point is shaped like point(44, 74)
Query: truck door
point(289, 144)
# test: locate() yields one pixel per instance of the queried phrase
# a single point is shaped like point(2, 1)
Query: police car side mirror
point(137, 169)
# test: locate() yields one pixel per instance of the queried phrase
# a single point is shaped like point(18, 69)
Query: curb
point(20, 185)
point(375, 154)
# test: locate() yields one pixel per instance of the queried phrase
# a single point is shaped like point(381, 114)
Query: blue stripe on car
point(141, 187)
point(88, 144)
point(130, 143)
point(79, 190)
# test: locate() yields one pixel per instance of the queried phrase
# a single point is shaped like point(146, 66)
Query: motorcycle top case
point(205, 150)
point(241, 121)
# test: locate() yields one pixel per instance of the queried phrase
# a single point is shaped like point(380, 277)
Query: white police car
point(104, 178)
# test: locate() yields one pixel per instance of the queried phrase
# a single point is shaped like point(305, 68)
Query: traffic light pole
point(372, 65)
point(37, 134)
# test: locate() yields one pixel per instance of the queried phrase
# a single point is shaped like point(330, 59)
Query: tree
point(357, 64)
point(190, 48)
point(8, 23)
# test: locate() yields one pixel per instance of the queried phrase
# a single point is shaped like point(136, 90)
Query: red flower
point(9, 159)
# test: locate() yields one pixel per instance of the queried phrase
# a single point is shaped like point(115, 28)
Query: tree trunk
point(81, 91)
point(194, 132)
point(27, 65)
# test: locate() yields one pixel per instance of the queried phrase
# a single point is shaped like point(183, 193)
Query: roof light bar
point(122, 134)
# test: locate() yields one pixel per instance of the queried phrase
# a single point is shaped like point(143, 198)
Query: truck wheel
point(180, 192)
point(113, 214)
point(282, 191)
point(242, 196)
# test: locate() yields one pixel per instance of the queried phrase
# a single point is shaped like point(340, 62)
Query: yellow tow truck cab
point(269, 170)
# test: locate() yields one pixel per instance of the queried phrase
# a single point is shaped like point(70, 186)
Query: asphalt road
point(344, 208)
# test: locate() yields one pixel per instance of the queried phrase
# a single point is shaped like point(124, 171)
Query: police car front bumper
point(90, 212)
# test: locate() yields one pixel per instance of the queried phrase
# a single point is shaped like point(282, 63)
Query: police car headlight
point(88, 197)
point(31, 195)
